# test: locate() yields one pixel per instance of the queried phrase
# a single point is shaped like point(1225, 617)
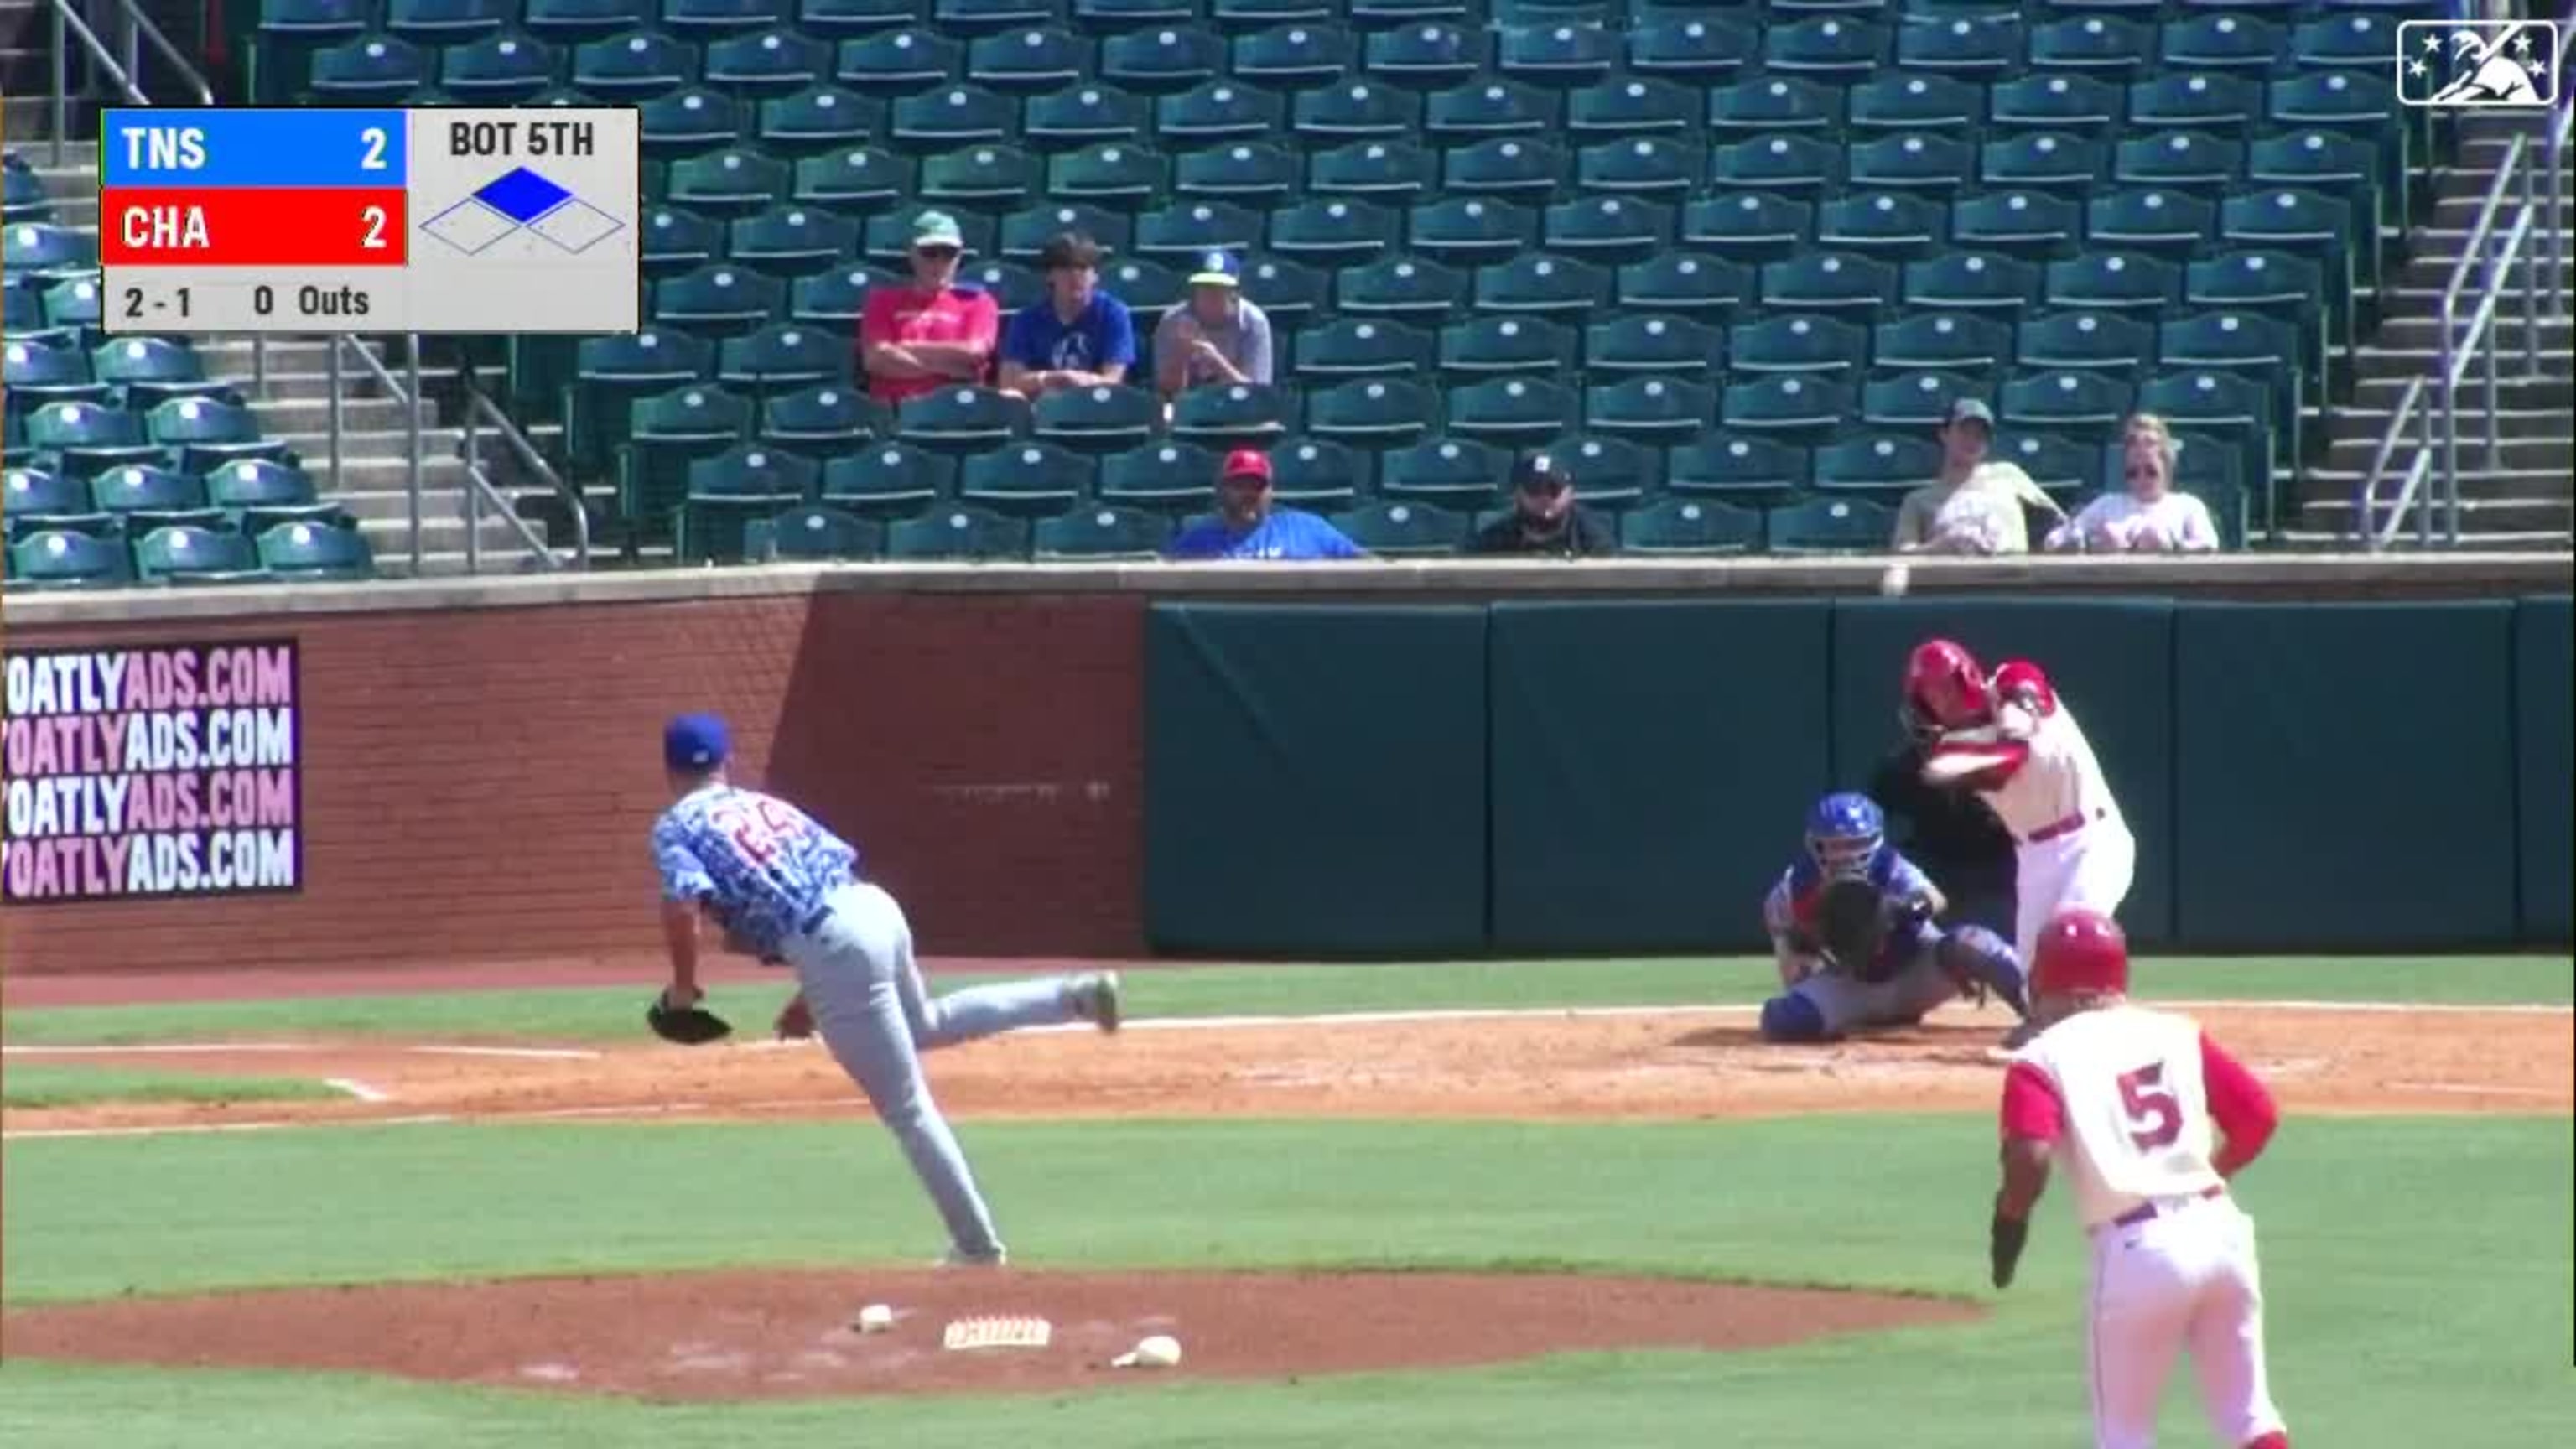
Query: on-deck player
point(2013, 741)
point(788, 891)
point(2125, 1099)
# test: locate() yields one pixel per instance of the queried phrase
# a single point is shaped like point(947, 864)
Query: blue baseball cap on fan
point(692, 743)
point(1217, 269)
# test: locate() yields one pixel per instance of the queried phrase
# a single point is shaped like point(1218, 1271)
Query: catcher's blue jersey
point(1789, 911)
point(761, 866)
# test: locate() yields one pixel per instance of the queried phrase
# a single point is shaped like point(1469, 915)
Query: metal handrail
point(68, 27)
point(410, 398)
point(2458, 348)
point(480, 410)
point(2366, 528)
point(2555, 154)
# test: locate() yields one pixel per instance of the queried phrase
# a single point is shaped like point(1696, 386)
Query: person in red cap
point(2151, 1118)
point(1248, 524)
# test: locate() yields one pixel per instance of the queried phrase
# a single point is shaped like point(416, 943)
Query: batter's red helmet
point(1945, 688)
point(2080, 950)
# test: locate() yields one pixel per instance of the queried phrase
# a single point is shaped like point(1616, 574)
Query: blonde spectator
point(1976, 507)
point(2148, 516)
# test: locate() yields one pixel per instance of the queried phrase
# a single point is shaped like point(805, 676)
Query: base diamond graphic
point(522, 195)
point(469, 226)
point(576, 226)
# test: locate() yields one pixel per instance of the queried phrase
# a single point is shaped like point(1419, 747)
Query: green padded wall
point(1652, 763)
point(1315, 779)
point(2544, 685)
point(2346, 775)
point(2112, 661)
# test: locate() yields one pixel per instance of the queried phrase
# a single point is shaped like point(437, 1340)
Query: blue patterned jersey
point(759, 865)
point(1789, 911)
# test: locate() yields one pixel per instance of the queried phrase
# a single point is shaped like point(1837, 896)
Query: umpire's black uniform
point(1953, 836)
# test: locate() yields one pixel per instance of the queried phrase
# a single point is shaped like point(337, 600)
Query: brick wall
point(478, 783)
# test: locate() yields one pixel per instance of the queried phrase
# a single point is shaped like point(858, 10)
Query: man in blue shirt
point(1080, 336)
point(1246, 524)
point(786, 890)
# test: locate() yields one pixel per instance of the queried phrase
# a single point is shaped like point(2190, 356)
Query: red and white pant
point(2185, 1277)
point(2075, 863)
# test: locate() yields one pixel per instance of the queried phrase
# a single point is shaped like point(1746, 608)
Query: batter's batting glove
point(2008, 1237)
point(685, 1025)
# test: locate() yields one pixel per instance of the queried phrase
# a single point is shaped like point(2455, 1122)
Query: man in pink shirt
point(934, 333)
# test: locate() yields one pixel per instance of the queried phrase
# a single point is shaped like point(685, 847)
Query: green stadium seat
point(88, 438)
point(1165, 476)
point(2306, 222)
point(1700, 51)
point(1235, 415)
point(250, 483)
point(886, 237)
point(1633, 105)
point(1685, 284)
point(1117, 175)
point(818, 120)
point(2062, 467)
point(498, 70)
point(729, 492)
point(951, 117)
point(2223, 42)
point(1931, 163)
point(1394, 172)
point(715, 19)
point(446, 22)
point(1887, 225)
point(607, 376)
point(1982, 47)
point(899, 62)
point(2275, 283)
point(1377, 413)
point(37, 373)
point(690, 121)
point(858, 180)
point(62, 558)
point(2250, 345)
point(1884, 467)
point(1795, 407)
point(2331, 161)
point(1919, 104)
point(981, 178)
point(2153, 221)
point(1318, 473)
point(2043, 161)
point(1608, 229)
point(1747, 469)
point(571, 22)
point(190, 555)
point(1485, 108)
point(36, 493)
point(1292, 293)
point(2184, 160)
point(51, 254)
point(1545, 284)
point(1687, 527)
point(2235, 411)
point(2105, 342)
point(1460, 473)
point(1663, 168)
point(1012, 286)
point(835, 298)
point(1361, 110)
point(1249, 173)
point(1791, 164)
point(1560, 57)
point(1193, 228)
point(2215, 101)
point(1162, 61)
point(784, 357)
point(1085, 115)
point(1920, 399)
point(1469, 231)
point(1994, 284)
point(1512, 168)
point(1334, 231)
point(1425, 57)
point(1661, 411)
point(22, 315)
point(823, 421)
point(791, 241)
point(1513, 411)
point(2113, 281)
point(718, 301)
point(842, 19)
point(1830, 525)
point(371, 70)
point(988, 17)
point(2024, 226)
point(316, 553)
point(1409, 289)
point(1829, 282)
point(1836, 49)
point(1349, 347)
point(200, 433)
point(287, 33)
point(1610, 472)
point(1774, 105)
point(813, 533)
point(1025, 233)
point(1026, 479)
point(888, 480)
point(2068, 103)
point(732, 182)
point(70, 302)
point(635, 67)
point(1404, 530)
point(1748, 226)
point(1292, 56)
point(1097, 419)
point(1675, 345)
point(1102, 533)
point(2110, 46)
point(2352, 40)
point(1146, 287)
point(1236, 17)
point(2080, 404)
point(1810, 344)
point(958, 534)
point(1216, 112)
point(962, 419)
point(1942, 340)
point(665, 434)
point(675, 242)
point(145, 497)
point(1031, 60)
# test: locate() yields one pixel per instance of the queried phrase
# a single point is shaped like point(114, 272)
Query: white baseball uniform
point(2133, 1103)
point(2033, 765)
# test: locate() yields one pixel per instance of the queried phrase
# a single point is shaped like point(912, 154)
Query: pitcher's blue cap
point(695, 742)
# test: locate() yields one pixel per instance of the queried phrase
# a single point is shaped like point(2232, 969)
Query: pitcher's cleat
point(1095, 998)
point(958, 1258)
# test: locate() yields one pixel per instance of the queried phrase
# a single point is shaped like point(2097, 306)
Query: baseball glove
point(1850, 921)
point(686, 1025)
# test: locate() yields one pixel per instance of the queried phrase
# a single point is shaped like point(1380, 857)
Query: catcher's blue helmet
point(1845, 831)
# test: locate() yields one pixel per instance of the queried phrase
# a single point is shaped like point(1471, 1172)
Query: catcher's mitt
point(1849, 921)
point(686, 1025)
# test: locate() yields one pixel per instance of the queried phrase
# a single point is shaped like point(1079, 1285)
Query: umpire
point(1952, 836)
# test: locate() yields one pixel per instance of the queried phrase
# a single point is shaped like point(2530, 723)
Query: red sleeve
point(876, 319)
point(2020, 676)
point(2245, 1111)
point(2031, 1106)
point(2013, 754)
point(983, 321)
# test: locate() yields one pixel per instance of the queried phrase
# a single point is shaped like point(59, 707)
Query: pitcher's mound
point(739, 1335)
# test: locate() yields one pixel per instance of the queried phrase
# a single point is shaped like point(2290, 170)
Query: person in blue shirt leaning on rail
point(1248, 525)
point(788, 891)
point(1075, 336)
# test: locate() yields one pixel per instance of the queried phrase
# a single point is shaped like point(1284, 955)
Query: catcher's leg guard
point(1976, 954)
point(1792, 1018)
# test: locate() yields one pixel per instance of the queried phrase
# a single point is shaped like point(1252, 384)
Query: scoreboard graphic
point(313, 219)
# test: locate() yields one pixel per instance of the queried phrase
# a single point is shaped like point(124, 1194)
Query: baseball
point(875, 1318)
point(1893, 583)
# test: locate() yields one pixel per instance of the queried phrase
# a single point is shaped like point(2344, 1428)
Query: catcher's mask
point(1844, 833)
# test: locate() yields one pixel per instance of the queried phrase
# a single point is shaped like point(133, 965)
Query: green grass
point(2417, 1271)
point(604, 1015)
point(49, 1085)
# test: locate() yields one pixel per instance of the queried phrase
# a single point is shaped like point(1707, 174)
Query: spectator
point(1247, 525)
point(1976, 507)
point(934, 333)
point(1080, 336)
point(2149, 517)
point(1545, 518)
point(1215, 335)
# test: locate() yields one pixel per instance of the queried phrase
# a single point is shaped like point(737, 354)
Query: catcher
point(1854, 926)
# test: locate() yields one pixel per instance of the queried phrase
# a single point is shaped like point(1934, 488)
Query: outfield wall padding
point(1318, 779)
point(2346, 775)
point(2544, 674)
point(1651, 763)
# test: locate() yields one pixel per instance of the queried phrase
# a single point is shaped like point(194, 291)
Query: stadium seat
point(49, 255)
point(823, 421)
point(1941, 340)
point(835, 298)
point(1685, 284)
point(1395, 172)
point(1334, 232)
point(2026, 227)
point(1469, 231)
point(1887, 225)
point(1237, 16)
point(1831, 48)
point(961, 420)
point(1513, 168)
point(1663, 168)
point(2043, 161)
point(2249, 345)
point(897, 62)
point(1025, 233)
point(1543, 283)
point(1483, 109)
point(2112, 281)
point(1117, 175)
point(1748, 226)
point(1194, 228)
point(1981, 47)
point(607, 377)
point(1747, 469)
point(200, 433)
point(730, 491)
point(1791, 164)
point(2062, 467)
point(945, 119)
point(629, 68)
point(1096, 420)
point(1559, 57)
point(2079, 404)
point(1459, 473)
point(1081, 116)
point(1773, 105)
point(1146, 287)
point(2092, 341)
point(2111, 46)
point(2330, 161)
point(2223, 42)
point(981, 178)
point(2215, 101)
point(1631, 106)
point(22, 316)
point(245, 484)
point(498, 70)
point(1030, 60)
point(1335, 115)
point(675, 242)
point(1837, 283)
point(190, 555)
point(1676, 346)
point(783, 357)
point(33, 493)
point(718, 301)
point(817, 120)
point(1162, 61)
point(1166, 477)
point(690, 121)
point(1217, 112)
point(38, 373)
point(1918, 400)
point(715, 19)
point(813, 533)
point(1680, 527)
point(665, 433)
point(564, 22)
point(1607, 230)
point(1923, 105)
point(1026, 479)
point(887, 480)
point(1349, 347)
point(62, 558)
point(1292, 56)
point(2185, 160)
point(145, 497)
point(2232, 408)
point(732, 182)
point(1830, 525)
point(1611, 472)
point(1811, 344)
point(87, 438)
point(958, 534)
point(1409, 289)
point(791, 241)
point(371, 70)
point(1991, 284)
point(2065, 102)
point(2150, 221)
point(1376, 413)
point(1651, 410)
point(1423, 57)
point(287, 33)
point(1511, 411)
point(857, 180)
point(1699, 51)
point(1248, 173)
point(1404, 530)
point(1794, 407)
point(2351, 40)
point(1319, 473)
point(1233, 415)
point(316, 553)
point(1101, 533)
point(1884, 467)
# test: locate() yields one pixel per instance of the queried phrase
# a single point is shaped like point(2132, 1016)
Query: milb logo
point(2469, 64)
